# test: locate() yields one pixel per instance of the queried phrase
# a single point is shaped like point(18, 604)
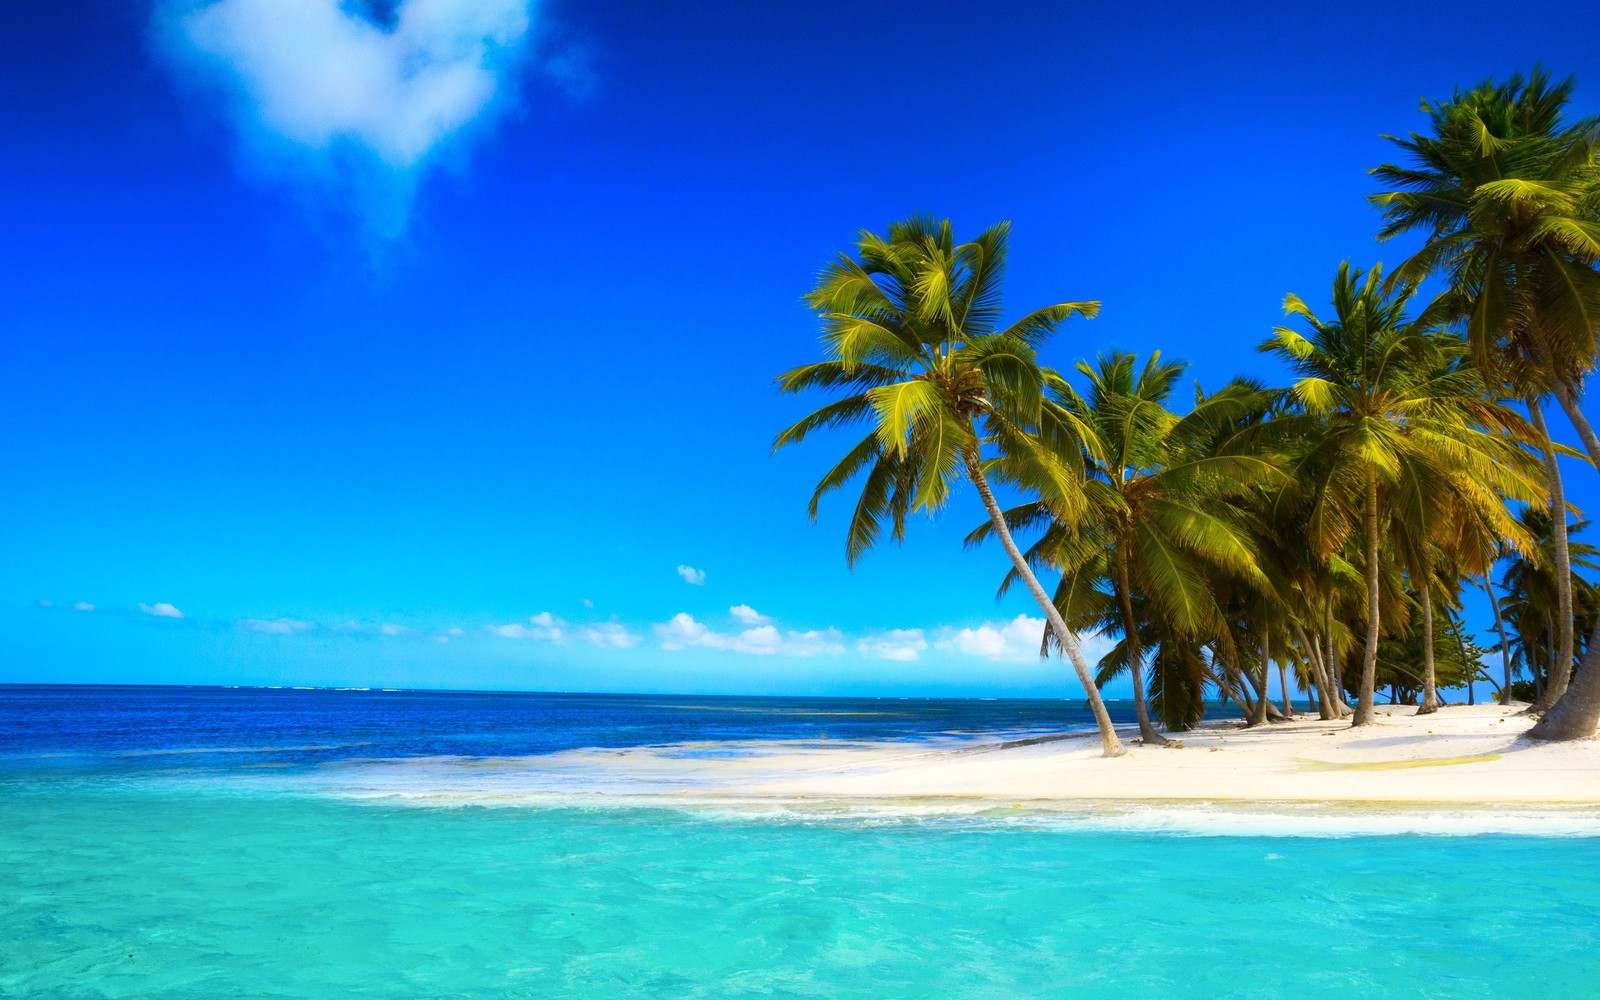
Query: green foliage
point(1507, 192)
point(911, 330)
point(1248, 531)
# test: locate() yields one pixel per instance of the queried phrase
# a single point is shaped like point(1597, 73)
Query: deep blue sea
point(189, 843)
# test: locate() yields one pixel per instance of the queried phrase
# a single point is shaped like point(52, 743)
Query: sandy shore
point(1472, 757)
point(1461, 755)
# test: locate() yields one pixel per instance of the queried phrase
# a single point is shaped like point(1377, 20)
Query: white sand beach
point(1474, 757)
point(1460, 755)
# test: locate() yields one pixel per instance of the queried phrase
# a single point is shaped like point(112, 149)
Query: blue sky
point(363, 334)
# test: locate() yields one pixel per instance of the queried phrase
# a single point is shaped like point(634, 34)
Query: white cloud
point(83, 606)
point(161, 610)
point(588, 603)
point(1014, 641)
point(609, 635)
point(278, 626)
point(393, 629)
point(901, 644)
point(690, 575)
point(543, 626)
point(455, 633)
point(323, 88)
point(747, 615)
point(682, 632)
point(45, 602)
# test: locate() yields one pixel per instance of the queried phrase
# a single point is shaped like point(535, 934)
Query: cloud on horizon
point(332, 93)
point(682, 632)
point(546, 627)
point(160, 609)
point(901, 644)
point(1014, 641)
point(276, 626)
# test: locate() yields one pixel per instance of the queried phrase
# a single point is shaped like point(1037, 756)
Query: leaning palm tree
point(1387, 414)
point(911, 327)
point(1507, 191)
point(1159, 517)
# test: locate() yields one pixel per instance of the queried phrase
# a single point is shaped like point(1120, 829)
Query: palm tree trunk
point(1238, 694)
point(1108, 734)
point(1319, 671)
point(1283, 684)
point(1130, 635)
point(1369, 659)
point(1331, 661)
point(1259, 715)
point(1430, 682)
point(1561, 668)
point(1580, 423)
point(1542, 678)
point(1457, 630)
point(1576, 714)
point(1505, 647)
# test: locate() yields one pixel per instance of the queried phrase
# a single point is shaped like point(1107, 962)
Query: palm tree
point(911, 328)
point(1466, 547)
point(1387, 415)
point(1508, 193)
point(1157, 522)
point(1531, 587)
point(1439, 550)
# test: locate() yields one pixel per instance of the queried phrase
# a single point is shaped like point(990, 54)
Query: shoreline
point(1467, 768)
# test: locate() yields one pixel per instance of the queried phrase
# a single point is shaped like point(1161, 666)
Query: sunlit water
point(125, 874)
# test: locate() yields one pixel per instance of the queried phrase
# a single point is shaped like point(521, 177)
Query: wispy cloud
point(543, 626)
point(902, 644)
point(690, 575)
point(276, 626)
point(83, 606)
point(546, 627)
point(334, 90)
point(160, 609)
point(683, 631)
point(609, 635)
point(746, 615)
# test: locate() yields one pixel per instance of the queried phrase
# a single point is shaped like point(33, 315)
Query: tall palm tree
point(912, 332)
point(1508, 193)
point(1449, 533)
point(1387, 416)
point(1157, 521)
point(1466, 547)
point(1531, 588)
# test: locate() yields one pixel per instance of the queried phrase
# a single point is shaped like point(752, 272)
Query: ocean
point(209, 842)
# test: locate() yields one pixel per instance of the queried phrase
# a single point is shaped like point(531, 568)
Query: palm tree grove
point(1326, 530)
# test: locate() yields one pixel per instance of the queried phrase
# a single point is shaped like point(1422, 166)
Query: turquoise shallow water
point(116, 890)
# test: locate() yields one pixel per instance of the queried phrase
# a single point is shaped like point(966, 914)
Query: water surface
point(139, 856)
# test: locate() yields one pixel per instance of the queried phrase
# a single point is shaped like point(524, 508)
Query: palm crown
point(911, 327)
